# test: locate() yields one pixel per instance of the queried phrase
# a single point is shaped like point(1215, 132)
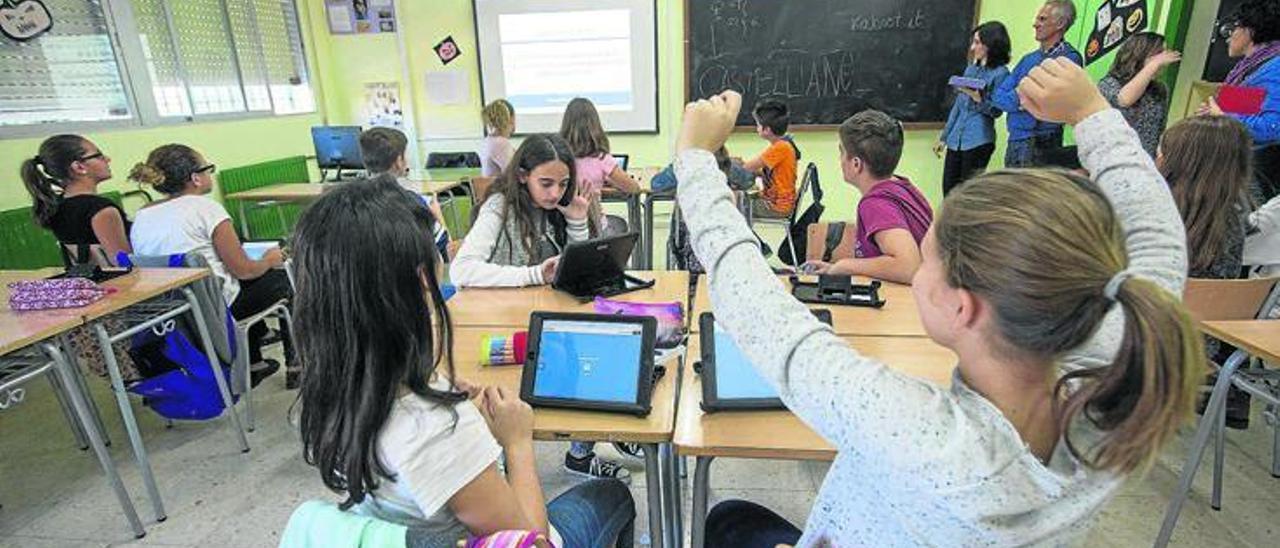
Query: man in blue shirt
point(1029, 138)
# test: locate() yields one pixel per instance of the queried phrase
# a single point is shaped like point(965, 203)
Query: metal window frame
point(122, 31)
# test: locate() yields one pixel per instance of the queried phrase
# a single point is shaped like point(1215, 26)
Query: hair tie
point(1113, 286)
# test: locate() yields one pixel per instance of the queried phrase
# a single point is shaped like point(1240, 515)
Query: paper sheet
point(448, 87)
point(340, 18)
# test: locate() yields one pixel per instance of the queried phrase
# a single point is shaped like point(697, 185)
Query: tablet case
point(711, 401)
point(597, 268)
point(967, 83)
point(1242, 100)
point(837, 290)
point(643, 403)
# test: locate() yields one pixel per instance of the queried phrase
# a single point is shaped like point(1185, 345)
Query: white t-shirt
point(184, 225)
point(431, 461)
point(495, 153)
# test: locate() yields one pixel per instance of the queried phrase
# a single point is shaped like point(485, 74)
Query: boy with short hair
point(383, 150)
point(893, 216)
point(777, 163)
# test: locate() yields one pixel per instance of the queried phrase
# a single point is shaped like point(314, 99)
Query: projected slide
point(589, 361)
point(540, 55)
point(550, 58)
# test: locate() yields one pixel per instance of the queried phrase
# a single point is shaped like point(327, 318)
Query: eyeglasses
point(209, 168)
point(93, 156)
point(1225, 29)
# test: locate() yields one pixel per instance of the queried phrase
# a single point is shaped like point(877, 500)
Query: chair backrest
point(810, 175)
point(1216, 300)
point(452, 159)
point(208, 293)
point(82, 254)
point(835, 238)
point(480, 189)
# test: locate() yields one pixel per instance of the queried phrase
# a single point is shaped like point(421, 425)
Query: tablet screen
point(736, 378)
point(590, 361)
point(256, 250)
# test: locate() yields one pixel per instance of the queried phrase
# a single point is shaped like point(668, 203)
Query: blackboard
point(828, 59)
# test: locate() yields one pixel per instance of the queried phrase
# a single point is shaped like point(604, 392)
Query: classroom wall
point(354, 60)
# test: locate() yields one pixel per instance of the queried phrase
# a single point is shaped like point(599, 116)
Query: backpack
point(800, 225)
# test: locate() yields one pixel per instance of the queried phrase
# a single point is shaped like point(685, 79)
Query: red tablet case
point(1241, 100)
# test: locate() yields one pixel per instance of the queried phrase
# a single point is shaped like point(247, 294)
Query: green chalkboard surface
point(830, 58)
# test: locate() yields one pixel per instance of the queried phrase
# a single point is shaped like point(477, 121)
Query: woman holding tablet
point(1058, 294)
point(969, 137)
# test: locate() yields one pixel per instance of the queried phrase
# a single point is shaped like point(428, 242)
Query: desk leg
point(635, 219)
point(672, 493)
point(1217, 404)
point(60, 391)
point(67, 374)
point(701, 492)
point(130, 422)
point(653, 487)
point(647, 251)
point(217, 368)
point(68, 352)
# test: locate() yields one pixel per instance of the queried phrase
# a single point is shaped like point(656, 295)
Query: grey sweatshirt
point(919, 464)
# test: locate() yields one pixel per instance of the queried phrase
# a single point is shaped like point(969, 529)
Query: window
point(169, 60)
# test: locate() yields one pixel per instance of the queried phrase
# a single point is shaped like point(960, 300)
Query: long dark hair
point(168, 168)
point(1206, 160)
point(581, 128)
point(365, 325)
point(1133, 55)
point(995, 37)
point(536, 150)
point(47, 174)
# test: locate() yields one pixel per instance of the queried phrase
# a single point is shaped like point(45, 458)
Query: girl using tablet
point(188, 221)
point(594, 166)
point(383, 415)
point(1058, 294)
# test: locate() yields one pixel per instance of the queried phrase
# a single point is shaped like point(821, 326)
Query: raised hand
point(708, 122)
point(1164, 58)
point(1060, 91)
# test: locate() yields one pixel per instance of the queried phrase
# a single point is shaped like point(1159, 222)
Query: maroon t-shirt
point(892, 203)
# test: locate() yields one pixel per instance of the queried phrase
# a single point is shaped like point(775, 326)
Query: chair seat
point(245, 323)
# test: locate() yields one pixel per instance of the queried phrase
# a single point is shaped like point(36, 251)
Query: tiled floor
point(53, 495)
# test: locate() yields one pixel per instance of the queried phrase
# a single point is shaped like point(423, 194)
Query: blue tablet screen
point(590, 361)
point(736, 378)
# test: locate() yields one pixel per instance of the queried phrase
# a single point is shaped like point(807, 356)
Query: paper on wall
point(340, 18)
point(448, 87)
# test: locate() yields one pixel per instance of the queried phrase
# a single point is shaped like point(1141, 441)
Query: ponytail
point(48, 172)
point(1140, 400)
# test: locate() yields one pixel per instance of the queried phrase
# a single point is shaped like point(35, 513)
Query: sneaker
point(633, 450)
point(594, 467)
point(292, 378)
point(262, 370)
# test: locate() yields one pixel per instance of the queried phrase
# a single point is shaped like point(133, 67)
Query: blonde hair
point(498, 117)
point(1041, 246)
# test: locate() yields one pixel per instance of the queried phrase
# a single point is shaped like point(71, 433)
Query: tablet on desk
point(597, 268)
point(256, 250)
point(729, 381)
point(592, 362)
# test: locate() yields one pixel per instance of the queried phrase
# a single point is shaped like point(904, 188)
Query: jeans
point(962, 164)
point(593, 514)
point(742, 524)
point(255, 296)
point(1030, 152)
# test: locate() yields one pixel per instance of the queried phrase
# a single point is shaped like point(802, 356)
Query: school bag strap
point(835, 232)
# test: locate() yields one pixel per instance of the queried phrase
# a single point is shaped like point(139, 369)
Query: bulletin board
point(361, 16)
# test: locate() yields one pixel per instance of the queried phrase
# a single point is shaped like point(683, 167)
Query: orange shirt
point(780, 176)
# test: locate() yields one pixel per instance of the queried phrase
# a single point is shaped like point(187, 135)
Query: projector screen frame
point(657, 83)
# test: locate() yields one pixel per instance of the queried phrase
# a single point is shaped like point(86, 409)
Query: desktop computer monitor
point(337, 147)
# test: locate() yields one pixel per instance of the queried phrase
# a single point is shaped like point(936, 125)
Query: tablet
point(256, 250)
point(729, 381)
point(593, 362)
point(597, 267)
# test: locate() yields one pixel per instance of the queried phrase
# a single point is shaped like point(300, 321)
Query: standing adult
point(1030, 139)
point(970, 134)
point(1131, 86)
point(1255, 38)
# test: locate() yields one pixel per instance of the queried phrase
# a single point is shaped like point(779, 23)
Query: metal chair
point(69, 388)
point(1209, 300)
point(810, 173)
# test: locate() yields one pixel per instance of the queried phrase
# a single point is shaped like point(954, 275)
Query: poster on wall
point(1114, 21)
point(360, 16)
point(22, 20)
point(382, 105)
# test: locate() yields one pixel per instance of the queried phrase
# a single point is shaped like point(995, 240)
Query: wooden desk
point(898, 317)
point(510, 307)
point(20, 329)
point(1260, 338)
point(141, 285)
point(569, 425)
point(779, 434)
